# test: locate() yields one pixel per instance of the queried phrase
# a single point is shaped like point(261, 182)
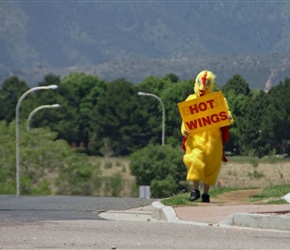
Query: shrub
point(163, 188)
point(160, 167)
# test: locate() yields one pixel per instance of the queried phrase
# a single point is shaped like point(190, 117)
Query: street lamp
point(163, 113)
point(37, 109)
point(17, 131)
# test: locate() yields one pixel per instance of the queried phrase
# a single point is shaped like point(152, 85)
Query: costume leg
point(195, 165)
point(206, 188)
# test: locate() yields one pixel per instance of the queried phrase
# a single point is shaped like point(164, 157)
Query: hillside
point(134, 39)
point(260, 71)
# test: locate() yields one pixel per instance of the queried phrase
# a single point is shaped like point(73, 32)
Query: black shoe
point(194, 195)
point(205, 198)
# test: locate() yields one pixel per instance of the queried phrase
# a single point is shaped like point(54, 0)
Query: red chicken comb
point(203, 79)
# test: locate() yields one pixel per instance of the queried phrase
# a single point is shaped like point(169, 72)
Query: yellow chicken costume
point(203, 151)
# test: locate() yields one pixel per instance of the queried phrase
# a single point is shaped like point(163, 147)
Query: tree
point(249, 129)
point(43, 156)
point(172, 96)
point(236, 91)
point(114, 118)
point(155, 85)
point(172, 77)
point(77, 94)
point(7, 159)
point(50, 117)
point(171, 91)
point(12, 90)
point(238, 105)
point(236, 84)
point(275, 124)
point(87, 90)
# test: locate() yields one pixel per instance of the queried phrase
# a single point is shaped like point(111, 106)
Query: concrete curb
point(263, 221)
point(161, 212)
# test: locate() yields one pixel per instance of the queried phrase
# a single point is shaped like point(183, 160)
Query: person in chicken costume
point(204, 151)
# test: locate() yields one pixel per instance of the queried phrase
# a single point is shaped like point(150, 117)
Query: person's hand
point(230, 117)
point(186, 133)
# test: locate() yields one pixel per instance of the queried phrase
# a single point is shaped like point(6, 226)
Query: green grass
point(178, 200)
point(271, 193)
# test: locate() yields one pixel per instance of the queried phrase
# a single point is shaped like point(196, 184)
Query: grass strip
point(271, 194)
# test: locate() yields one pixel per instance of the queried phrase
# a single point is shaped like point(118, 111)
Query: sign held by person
point(204, 113)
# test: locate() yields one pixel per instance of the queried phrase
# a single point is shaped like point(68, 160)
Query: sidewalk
point(274, 217)
point(255, 216)
point(226, 210)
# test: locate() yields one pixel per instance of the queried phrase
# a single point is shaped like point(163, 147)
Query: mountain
point(135, 39)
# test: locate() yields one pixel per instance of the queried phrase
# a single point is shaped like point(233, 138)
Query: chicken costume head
point(204, 83)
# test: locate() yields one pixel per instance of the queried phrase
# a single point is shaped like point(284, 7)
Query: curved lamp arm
point(163, 113)
point(36, 110)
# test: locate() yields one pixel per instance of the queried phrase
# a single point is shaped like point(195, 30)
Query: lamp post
point(37, 109)
point(163, 113)
point(17, 131)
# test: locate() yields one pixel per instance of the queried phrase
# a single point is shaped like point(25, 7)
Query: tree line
point(104, 117)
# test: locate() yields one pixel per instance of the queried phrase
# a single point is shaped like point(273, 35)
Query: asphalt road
point(41, 208)
point(56, 222)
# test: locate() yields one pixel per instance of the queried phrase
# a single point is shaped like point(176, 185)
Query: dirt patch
point(235, 197)
point(114, 167)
